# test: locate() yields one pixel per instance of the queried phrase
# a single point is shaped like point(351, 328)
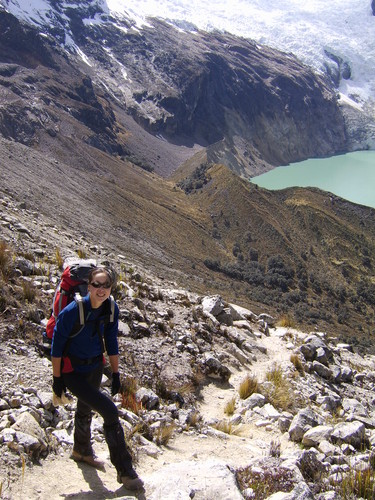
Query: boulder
point(317, 434)
point(213, 305)
point(301, 423)
point(215, 369)
point(211, 479)
point(353, 433)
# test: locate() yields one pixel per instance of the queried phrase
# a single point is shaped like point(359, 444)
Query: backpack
point(73, 284)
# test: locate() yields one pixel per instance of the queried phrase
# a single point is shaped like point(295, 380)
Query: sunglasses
point(96, 284)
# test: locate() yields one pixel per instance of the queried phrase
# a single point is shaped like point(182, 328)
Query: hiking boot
point(87, 459)
point(131, 481)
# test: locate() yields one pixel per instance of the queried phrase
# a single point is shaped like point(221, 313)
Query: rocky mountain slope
point(228, 403)
point(87, 133)
point(211, 232)
point(140, 92)
point(210, 265)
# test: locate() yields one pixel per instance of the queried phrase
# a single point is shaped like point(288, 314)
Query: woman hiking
point(77, 362)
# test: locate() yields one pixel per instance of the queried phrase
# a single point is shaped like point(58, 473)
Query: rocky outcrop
point(203, 88)
point(214, 87)
point(42, 91)
point(169, 339)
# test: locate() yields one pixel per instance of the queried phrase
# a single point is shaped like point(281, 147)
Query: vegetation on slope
point(299, 251)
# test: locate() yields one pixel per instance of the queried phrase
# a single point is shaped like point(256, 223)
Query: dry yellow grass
point(230, 407)
point(248, 387)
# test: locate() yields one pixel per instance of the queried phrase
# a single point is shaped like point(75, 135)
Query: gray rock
point(284, 423)
point(25, 266)
point(241, 313)
point(253, 401)
point(225, 317)
point(267, 318)
point(301, 423)
point(148, 398)
point(210, 480)
point(238, 353)
point(322, 370)
point(317, 434)
point(349, 432)
point(310, 466)
point(213, 305)
point(268, 411)
point(314, 345)
point(353, 406)
point(214, 368)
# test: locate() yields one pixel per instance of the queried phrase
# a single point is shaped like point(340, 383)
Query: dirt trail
point(60, 477)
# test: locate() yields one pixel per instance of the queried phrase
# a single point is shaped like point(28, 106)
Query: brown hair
point(102, 269)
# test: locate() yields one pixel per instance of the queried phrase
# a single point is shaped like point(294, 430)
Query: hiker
point(77, 362)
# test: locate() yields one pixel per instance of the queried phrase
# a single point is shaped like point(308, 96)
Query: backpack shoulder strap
point(81, 309)
point(112, 309)
point(79, 324)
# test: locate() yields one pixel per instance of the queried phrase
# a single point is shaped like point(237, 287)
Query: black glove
point(58, 386)
point(116, 384)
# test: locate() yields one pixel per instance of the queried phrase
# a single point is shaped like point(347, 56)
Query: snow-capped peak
point(336, 36)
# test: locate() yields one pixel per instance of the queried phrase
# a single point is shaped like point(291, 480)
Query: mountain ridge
point(200, 88)
point(88, 164)
point(223, 236)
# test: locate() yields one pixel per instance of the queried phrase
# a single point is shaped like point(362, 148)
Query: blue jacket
point(87, 343)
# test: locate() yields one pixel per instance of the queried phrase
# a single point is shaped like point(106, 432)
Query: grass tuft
point(297, 362)
point(164, 433)
point(275, 449)
point(230, 407)
point(5, 259)
point(128, 396)
point(194, 419)
point(248, 387)
point(226, 427)
point(81, 253)
point(59, 258)
point(28, 291)
point(286, 321)
point(264, 482)
point(280, 394)
point(358, 484)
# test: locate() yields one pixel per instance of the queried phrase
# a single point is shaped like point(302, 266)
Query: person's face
point(99, 288)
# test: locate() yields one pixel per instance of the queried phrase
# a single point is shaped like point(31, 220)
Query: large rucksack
point(73, 285)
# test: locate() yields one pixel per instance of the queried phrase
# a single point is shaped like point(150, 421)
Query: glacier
point(345, 28)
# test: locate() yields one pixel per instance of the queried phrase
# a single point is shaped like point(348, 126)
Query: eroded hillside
point(156, 95)
point(306, 254)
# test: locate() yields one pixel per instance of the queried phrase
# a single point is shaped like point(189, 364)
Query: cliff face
point(257, 106)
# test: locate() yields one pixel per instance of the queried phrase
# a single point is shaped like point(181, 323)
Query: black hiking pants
point(86, 387)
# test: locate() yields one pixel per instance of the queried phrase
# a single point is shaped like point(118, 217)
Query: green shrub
point(197, 180)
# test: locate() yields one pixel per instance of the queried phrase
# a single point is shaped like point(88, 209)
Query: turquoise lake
point(350, 176)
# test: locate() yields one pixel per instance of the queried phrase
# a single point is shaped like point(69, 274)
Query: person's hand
point(58, 386)
point(116, 384)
